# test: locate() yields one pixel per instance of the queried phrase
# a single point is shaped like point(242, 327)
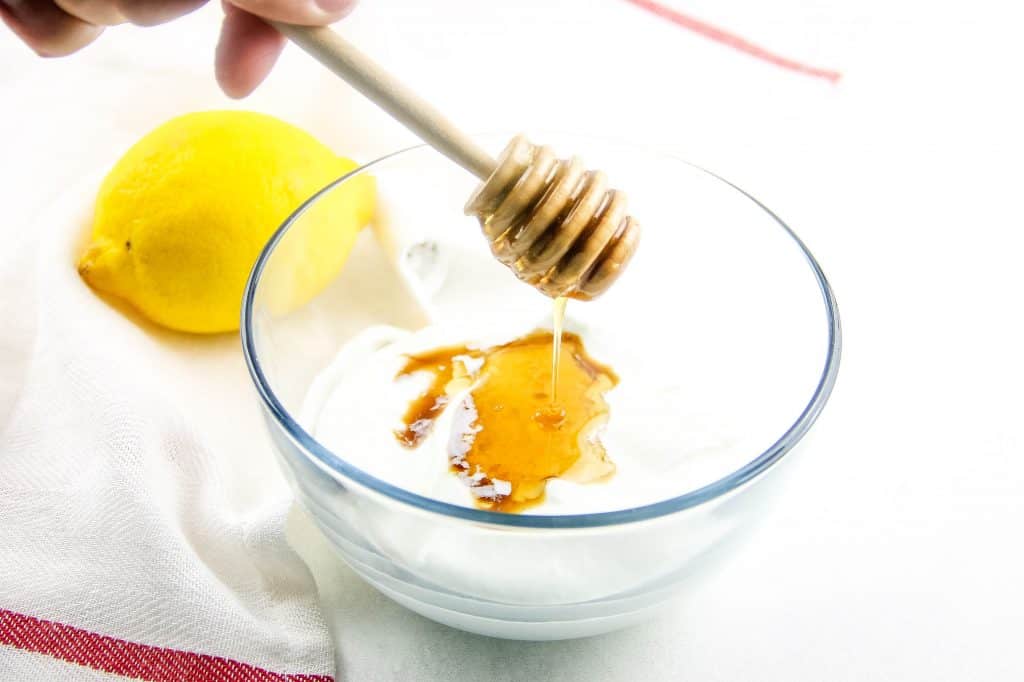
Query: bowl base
point(532, 631)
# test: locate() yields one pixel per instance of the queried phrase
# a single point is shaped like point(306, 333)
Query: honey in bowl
point(510, 434)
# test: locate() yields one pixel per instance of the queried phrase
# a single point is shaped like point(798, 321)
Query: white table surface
point(896, 552)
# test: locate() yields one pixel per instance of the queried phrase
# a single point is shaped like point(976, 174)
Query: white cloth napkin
point(122, 511)
point(143, 522)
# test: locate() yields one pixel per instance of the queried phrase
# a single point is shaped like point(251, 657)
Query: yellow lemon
point(183, 215)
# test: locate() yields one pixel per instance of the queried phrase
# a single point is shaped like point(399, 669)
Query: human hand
point(246, 52)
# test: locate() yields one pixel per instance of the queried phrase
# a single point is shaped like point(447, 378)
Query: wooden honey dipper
point(556, 225)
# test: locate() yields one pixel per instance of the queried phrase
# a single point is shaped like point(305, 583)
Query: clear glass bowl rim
point(322, 457)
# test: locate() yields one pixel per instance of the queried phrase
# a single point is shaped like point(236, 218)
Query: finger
point(306, 12)
point(153, 12)
point(90, 11)
point(246, 52)
point(46, 28)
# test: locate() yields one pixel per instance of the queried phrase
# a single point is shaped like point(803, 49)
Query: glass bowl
point(724, 332)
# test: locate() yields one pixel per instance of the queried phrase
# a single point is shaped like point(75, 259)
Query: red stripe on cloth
point(736, 42)
point(130, 659)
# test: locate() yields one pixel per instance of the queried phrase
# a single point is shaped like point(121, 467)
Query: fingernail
point(334, 6)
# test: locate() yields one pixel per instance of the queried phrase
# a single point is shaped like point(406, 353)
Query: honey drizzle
point(558, 317)
point(427, 407)
point(511, 437)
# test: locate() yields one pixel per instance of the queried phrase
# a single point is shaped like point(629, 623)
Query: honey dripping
point(508, 436)
point(552, 415)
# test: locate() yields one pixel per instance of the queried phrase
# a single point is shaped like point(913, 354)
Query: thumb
point(306, 12)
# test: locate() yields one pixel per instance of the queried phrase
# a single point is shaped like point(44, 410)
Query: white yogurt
point(356, 404)
point(683, 415)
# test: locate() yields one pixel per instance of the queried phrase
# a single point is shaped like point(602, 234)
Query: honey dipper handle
point(362, 73)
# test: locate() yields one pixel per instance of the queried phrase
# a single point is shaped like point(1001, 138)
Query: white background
point(896, 552)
